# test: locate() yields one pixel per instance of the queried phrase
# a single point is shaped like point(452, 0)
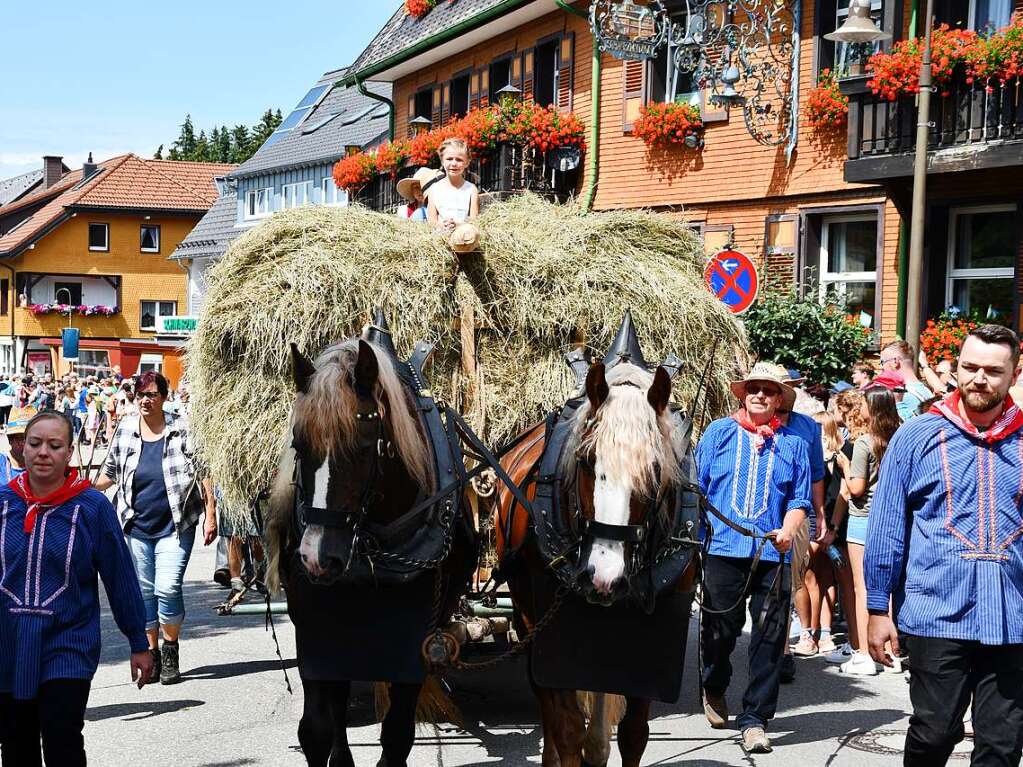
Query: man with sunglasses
point(756, 473)
point(160, 498)
point(897, 357)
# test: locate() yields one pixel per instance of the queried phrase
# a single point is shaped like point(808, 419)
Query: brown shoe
point(716, 709)
point(755, 741)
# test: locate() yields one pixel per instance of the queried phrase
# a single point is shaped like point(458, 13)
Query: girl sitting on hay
point(454, 201)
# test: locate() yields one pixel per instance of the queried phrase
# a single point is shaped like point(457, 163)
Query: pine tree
point(222, 146)
point(240, 144)
point(202, 149)
point(185, 144)
point(158, 154)
point(266, 125)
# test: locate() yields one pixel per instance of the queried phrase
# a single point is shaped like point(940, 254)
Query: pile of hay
point(547, 275)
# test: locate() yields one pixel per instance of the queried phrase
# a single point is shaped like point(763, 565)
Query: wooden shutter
point(5, 290)
point(710, 112)
point(484, 76)
point(474, 90)
point(527, 74)
point(516, 72)
point(566, 73)
point(634, 91)
point(437, 117)
point(411, 113)
point(445, 103)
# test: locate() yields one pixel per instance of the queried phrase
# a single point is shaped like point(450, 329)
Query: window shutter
point(527, 75)
point(709, 111)
point(484, 76)
point(445, 103)
point(516, 72)
point(474, 90)
point(566, 72)
point(437, 116)
point(411, 113)
point(634, 91)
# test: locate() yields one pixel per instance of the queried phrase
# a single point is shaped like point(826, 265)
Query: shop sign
point(178, 326)
point(627, 30)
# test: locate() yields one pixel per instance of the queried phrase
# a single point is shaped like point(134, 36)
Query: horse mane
point(631, 439)
point(325, 414)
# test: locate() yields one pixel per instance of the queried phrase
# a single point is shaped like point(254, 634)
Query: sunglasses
point(767, 391)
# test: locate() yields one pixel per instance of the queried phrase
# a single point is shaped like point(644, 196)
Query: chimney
point(88, 167)
point(53, 169)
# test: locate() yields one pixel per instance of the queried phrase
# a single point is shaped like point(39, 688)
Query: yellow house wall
point(144, 276)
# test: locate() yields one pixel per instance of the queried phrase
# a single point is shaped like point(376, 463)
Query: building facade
point(91, 251)
point(830, 214)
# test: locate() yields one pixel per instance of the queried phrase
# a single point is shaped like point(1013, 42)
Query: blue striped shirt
point(945, 534)
point(754, 488)
point(49, 597)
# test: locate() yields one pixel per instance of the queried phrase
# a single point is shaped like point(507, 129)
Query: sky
point(113, 76)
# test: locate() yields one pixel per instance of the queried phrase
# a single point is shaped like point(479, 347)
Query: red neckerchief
point(1007, 424)
point(73, 485)
point(760, 433)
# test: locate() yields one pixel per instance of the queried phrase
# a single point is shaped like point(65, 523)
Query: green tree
point(240, 144)
point(267, 124)
point(800, 332)
point(222, 145)
point(202, 149)
point(158, 154)
point(184, 146)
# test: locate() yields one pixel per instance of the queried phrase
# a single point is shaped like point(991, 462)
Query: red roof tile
point(126, 181)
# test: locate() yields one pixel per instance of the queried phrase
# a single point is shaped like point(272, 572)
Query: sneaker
point(859, 664)
point(806, 647)
point(787, 675)
point(826, 644)
point(716, 709)
point(222, 578)
point(755, 741)
point(155, 676)
point(841, 654)
point(171, 673)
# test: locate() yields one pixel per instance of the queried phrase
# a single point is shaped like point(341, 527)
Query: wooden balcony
point(509, 169)
point(971, 129)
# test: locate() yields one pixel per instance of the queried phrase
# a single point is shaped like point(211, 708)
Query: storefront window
point(848, 265)
point(981, 257)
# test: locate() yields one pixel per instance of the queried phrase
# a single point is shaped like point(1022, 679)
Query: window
point(981, 247)
point(545, 73)
point(257, 203)
point(850, 58)
point(668, 82)
point(460, 95)
point(99, 237)
point(93, 362)
point(716, 238)
point(152, 311)
point(296, 195)
point(500, 76)
point(5, 289)
point(332, 195)
point(67, 293)
point(979, 15)
point(150, 238)
point(424, 104)
point(848, 264)
point(150, 362)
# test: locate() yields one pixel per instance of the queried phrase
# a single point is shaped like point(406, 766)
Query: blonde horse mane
point(632, 440)
point(324, 416)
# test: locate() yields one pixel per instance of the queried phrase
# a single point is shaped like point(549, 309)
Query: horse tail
point(278, 526)
point(433, 707)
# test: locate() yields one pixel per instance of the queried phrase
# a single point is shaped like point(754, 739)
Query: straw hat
point(465, 238)
point(424, 177)
point(766, 372)
point(20, 416)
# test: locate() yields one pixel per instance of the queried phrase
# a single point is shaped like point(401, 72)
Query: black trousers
point(723, 581)
point(56, 715)
point(944, 674)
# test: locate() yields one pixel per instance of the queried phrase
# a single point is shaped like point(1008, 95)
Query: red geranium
point(898, 72)
point(826, 106)
point(943, 338)
point(419, 8)
point(391, 157)
point(666, 125)
point(423, 148)
point(481, 129)
point(354, 172)
point(543, 128)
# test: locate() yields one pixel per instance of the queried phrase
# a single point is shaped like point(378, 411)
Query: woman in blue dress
point(57, 534)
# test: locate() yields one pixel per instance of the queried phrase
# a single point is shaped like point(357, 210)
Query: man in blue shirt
point(945, 544)
point(13, 464)
point(757, 474)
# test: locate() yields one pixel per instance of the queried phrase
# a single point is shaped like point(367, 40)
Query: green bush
point(819, 340)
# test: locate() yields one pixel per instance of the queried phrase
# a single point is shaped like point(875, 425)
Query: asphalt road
point(232, 709)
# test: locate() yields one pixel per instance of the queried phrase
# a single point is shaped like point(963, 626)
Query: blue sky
point(112, 76)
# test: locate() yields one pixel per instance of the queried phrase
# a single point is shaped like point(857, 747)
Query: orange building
point(829, 213)
point(91, 250)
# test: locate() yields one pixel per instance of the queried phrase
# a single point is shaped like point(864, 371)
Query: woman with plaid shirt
point(159, 498)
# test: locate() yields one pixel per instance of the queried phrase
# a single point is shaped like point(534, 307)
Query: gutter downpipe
point(593, 159)
point(903, 288)
point(377, 97)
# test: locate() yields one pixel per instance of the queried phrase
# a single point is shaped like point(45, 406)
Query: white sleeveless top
point(450, 202)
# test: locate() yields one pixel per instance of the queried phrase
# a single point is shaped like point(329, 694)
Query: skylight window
point(319, 122)
point(312, 96)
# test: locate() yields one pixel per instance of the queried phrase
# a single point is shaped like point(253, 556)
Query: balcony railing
point(979, 128)
point(509, 169)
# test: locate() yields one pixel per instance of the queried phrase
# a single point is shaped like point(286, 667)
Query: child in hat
point(415, 189)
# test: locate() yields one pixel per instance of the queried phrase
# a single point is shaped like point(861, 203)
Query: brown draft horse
point(624, 449)
point(358, 449)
